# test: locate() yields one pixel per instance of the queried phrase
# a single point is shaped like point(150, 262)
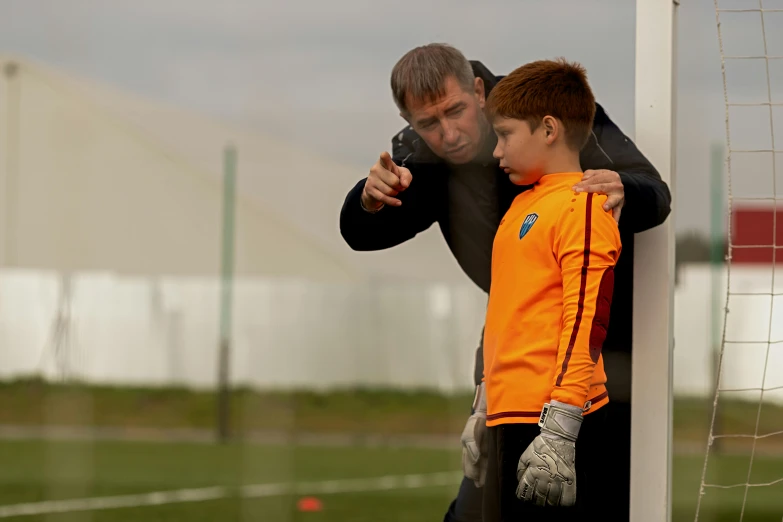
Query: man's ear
point(478, 90)
point(552, 129)
point(405, 116)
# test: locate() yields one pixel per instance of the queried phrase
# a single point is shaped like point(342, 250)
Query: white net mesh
point(752, 332)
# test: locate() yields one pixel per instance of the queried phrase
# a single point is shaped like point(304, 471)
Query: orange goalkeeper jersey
point(552, 280)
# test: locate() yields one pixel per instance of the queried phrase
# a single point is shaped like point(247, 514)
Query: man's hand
point(474, 440)
point(604, 182)
point(385, 181)
point(546, 472)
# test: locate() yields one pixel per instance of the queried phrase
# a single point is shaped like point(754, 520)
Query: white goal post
point(653, 344)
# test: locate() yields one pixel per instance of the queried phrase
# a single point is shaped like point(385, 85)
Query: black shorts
point(507, 442)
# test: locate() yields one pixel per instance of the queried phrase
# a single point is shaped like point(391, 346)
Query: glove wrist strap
point(561, 420)
point(480, 400)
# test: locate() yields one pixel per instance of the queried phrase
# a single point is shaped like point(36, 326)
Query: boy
point(553, 264)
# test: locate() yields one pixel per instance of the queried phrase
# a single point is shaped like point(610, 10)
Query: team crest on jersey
point(527, 224)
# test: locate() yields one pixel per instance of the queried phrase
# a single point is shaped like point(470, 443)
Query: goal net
point(743, 470)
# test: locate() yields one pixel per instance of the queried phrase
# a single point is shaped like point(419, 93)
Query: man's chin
point(461, 156)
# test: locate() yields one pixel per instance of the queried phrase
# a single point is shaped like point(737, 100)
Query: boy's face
point(521, 152)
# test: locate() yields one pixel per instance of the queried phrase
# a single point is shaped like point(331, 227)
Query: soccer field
point(258, 482)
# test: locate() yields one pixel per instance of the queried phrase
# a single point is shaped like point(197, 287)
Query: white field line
point(157, 498)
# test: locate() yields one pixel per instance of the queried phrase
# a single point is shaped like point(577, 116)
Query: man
point(442, 170)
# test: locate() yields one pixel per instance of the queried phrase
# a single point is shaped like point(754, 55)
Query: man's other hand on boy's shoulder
point(604, 182)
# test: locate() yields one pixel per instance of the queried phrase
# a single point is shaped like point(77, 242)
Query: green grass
point(38, 470)
point(34, 470)
point(32, 402)
point(692, 420)
point(723, 505)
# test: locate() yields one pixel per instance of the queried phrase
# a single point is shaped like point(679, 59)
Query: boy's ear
point(552, 129)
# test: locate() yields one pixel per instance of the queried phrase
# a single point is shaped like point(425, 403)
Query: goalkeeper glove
point(474, 440)
point(546, 472)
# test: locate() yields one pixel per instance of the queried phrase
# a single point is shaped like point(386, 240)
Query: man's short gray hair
point(422, 72)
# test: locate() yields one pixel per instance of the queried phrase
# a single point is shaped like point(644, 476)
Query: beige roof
point(105, 180)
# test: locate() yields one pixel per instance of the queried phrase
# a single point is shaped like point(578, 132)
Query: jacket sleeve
point(587, 246)
point(392, 226)
point(647, 197)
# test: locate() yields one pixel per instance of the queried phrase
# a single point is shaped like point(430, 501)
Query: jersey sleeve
point(587, 246)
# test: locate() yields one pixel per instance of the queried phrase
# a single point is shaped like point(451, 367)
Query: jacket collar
point(481, 71)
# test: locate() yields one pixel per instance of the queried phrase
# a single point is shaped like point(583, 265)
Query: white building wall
point(298, 334)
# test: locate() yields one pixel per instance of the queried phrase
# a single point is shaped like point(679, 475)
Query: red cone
point(309, 504)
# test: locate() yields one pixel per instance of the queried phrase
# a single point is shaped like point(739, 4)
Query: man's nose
point(450, 133)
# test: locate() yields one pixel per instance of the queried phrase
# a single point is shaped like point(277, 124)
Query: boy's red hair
point(554, 88)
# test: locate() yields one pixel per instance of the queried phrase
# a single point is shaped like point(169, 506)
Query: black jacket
point(437, 194)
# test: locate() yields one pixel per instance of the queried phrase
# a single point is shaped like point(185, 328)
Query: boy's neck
point(563, 163)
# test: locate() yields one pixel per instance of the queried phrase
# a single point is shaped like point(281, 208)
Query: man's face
point(452, 125)
point(520, 151)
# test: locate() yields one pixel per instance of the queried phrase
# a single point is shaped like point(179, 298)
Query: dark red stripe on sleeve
point(603, 309)
point(600, 397)
point(513, 414)
point(582, 285)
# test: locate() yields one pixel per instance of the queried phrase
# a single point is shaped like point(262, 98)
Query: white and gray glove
point(474, 440)
point(546, 472)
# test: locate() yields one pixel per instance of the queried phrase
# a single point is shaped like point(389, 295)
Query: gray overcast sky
point(316, 73)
